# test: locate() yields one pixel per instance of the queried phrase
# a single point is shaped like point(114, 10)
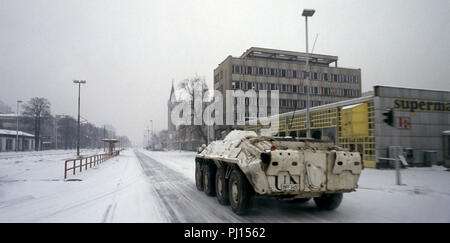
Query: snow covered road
point(424, 198)
point(146, 186)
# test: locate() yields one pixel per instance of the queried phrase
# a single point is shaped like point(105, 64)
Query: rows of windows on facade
point(290, 88)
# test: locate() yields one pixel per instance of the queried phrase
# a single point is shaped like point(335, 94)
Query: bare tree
point(191, 87)
point(37, 109)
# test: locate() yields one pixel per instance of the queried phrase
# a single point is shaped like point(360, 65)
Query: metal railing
point(90, 160)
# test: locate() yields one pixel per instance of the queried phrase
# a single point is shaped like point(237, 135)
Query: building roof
point(13, 133)
point(288, 55)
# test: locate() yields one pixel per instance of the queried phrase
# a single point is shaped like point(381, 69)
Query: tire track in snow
point(177, 187)
point(181, 198)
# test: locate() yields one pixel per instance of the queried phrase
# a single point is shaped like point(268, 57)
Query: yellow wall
point(354, 127)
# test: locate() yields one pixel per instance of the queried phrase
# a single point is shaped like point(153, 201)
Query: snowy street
point(147, 186)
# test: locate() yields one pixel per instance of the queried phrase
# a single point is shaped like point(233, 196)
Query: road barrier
point(90, 160)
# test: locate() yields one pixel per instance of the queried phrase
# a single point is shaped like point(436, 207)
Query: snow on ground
point(180, 161)
point(423, 197)
point(32, 189)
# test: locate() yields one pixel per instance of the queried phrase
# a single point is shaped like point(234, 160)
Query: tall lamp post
point(17, 126)
point(79, 82)
point(307, 13)
point(151, 126)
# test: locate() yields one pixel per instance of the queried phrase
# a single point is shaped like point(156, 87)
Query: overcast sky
point(129, 51)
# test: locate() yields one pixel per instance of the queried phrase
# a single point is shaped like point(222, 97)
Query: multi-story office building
point(285, 71)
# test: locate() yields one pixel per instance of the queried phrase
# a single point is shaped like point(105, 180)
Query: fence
point(93, 161)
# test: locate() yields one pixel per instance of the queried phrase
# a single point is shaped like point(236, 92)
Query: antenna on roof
point(314, 45)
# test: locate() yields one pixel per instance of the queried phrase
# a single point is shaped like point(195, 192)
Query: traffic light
point(389, 114)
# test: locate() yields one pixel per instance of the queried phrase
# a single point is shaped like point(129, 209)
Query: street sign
point(404, 122)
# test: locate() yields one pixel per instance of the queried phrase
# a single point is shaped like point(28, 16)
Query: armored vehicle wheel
point(198, 176)
point(209, 177)
point(239, 192)
point(222, 187)
point(329, 201)
point(302, 200)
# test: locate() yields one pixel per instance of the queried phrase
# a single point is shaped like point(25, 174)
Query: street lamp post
point(79, 82)
point(307, 13)
point(17, 126)
point(151, 126)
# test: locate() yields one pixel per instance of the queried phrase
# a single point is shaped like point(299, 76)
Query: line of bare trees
point(59, 131)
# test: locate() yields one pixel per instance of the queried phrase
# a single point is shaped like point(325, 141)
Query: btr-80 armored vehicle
point(244, 164)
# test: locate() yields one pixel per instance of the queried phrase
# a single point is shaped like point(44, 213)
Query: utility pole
point(148, 137)
point(17, 126)
point(55, 124)
point(307, 13)
point(151, 126)
point(79, 82)
point(390, 121)
point(104, 137)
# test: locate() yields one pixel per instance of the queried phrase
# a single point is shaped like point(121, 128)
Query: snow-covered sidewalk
point(32, 189)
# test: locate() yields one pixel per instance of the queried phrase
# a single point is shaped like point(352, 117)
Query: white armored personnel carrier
point(243, 164)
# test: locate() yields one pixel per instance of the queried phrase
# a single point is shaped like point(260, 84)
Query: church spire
point(172, 97)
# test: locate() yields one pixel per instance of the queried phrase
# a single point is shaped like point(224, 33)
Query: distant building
point(421, 119)
point(8, 121)
point(8, 141)
point(171, 128)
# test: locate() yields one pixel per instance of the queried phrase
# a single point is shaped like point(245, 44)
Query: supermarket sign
point(421, 105)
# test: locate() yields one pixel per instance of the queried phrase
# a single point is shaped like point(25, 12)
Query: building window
point(236, 69)
point(315, 76)
point(304, 74)
point(8, 144)
point(249, 70)
point(294, 73)
point(283, 72)
point(335, 78)
point(325, 76)
point(272, 72)
point(261, 71)
point(262, 86)
point(236, 85)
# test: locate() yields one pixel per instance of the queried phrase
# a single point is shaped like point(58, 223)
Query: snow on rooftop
point(350, 106)
point(8, 115)
point(13, 132)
